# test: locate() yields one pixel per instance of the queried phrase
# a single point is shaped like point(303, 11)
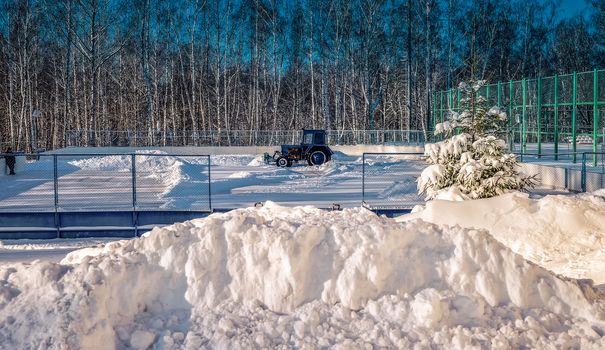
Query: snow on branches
point(474, 163)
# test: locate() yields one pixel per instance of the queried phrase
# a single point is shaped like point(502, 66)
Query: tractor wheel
point(282, 162)
point(317, 158)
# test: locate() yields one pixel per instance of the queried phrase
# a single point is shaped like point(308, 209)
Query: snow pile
point(297, 277)
point(156, 160)
point(152, 166)
point(233, 159)
point(259, 160)
point(240, 175)
point(114, 163)
point(565, 234)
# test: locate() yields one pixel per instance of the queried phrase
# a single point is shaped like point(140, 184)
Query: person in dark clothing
point(10, 161)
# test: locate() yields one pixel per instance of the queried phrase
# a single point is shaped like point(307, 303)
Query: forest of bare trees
point(162, 67)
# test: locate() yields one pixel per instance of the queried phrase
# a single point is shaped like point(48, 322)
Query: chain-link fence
point(559, 172)
point(552, 171)
point(32, 187)
point(389, 180)
point(593, 171)
point(176, 183)
point(118, 138)
point(554, 112)
point(151, 181)
point(105, 182)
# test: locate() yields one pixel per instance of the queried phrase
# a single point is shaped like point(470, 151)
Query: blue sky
point(571, 7)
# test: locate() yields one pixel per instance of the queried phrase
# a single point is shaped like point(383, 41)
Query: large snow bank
point(297, 277)
point(563, 233)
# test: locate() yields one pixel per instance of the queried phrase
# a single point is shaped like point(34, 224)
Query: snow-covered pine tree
point(473, 162)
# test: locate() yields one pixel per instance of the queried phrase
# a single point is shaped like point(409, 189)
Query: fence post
point(209, 187)
point(539, 117)
point(523, 127)
point(573, 117)
point(437, 114)
point(583, 175)
point(434, 111)
point(511, 139)
point(595, 115)
point(499, 95)
point(134, 180)
point(556, 121)
point(56, 182)
point(441, 104)
point(363, 179)
point(56, 193)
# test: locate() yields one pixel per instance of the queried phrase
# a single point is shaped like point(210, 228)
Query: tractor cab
point(313, 137)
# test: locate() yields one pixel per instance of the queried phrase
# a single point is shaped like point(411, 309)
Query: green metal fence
point(557, 114)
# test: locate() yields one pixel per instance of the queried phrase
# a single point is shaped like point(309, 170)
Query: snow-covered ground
point(565, 234)
point(304, 278)
point(29, 250)
point(508, 272)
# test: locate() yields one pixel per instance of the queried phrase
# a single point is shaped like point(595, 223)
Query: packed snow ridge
point(297, 278)
point(563, 233)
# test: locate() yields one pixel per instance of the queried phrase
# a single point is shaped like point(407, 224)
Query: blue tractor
point(313, 149)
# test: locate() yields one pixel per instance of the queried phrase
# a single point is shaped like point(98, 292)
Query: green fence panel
point(563, 111)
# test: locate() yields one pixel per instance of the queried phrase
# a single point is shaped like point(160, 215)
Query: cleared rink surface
point(180, 182)
point(389, 182)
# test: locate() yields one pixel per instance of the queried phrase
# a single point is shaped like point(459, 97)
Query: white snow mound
point(261, 277)
point(151, 167)
point(563, 233)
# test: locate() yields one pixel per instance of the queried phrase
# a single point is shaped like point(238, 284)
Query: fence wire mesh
point(552, 172)
point(561, 110)
point(172, 182)
point(559, 172)
point(32, 186)
point(389, 180)
point(122, 138)
point(100, 182)
point(106, 182)
point(150, 181)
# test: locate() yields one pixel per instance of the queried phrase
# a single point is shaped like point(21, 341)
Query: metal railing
point(396, 189)
point(107, 182)
point(123, 138)
point(161, 182)
point(593, 174)
point(558, 171)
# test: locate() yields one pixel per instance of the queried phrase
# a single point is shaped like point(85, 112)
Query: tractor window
point(308, 139)
point(320, 138)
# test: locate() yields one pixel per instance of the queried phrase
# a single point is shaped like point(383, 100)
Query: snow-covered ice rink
point(503, 273)
point(168, 181)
